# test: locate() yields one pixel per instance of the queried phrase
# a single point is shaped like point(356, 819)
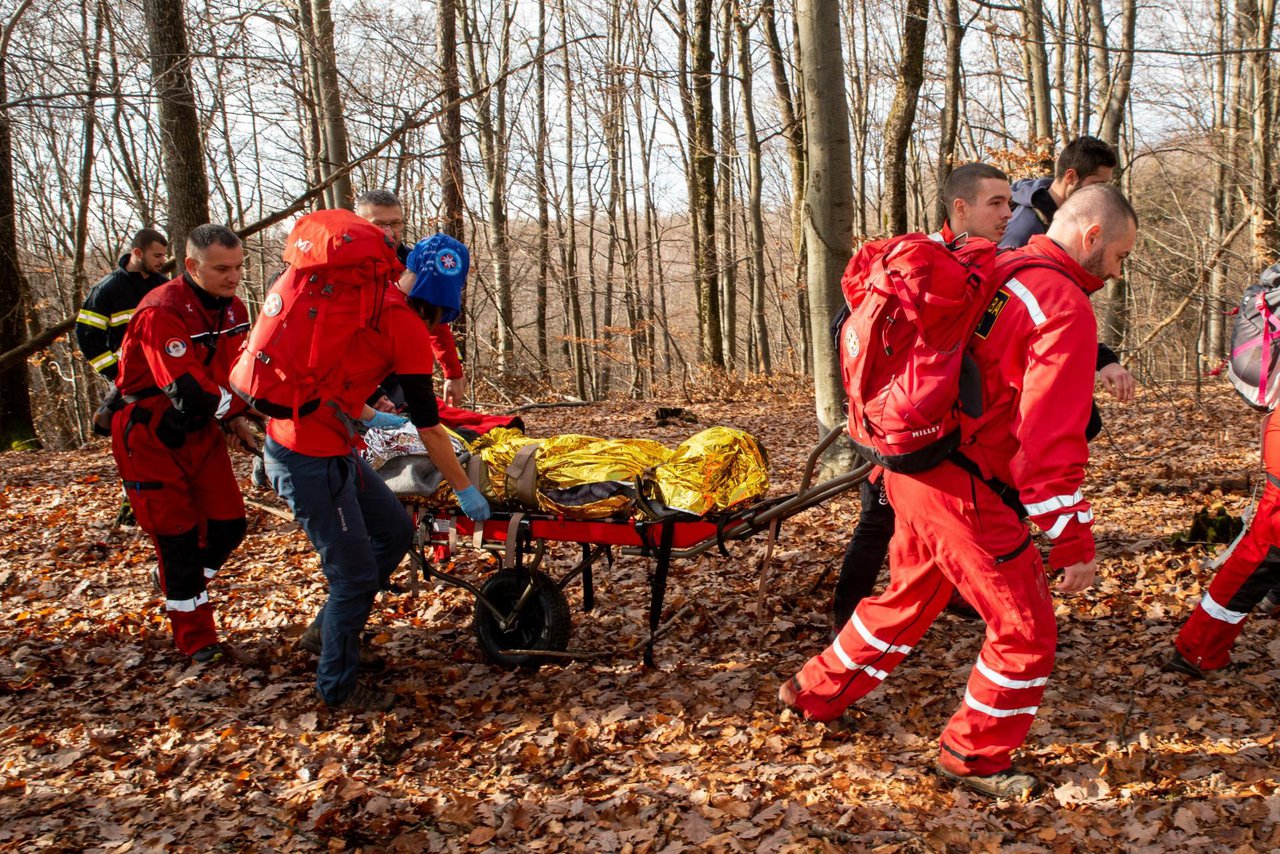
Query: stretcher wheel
point(543, 622)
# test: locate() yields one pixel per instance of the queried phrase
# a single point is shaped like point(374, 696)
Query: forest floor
point(111, 742)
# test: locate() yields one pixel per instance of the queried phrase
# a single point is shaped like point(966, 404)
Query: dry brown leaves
point(110, 742)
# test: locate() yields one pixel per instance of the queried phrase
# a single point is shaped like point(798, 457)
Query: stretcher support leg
point(658, 588)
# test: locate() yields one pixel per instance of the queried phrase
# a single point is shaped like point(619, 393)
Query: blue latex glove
point(386, 421)
point(474, 504)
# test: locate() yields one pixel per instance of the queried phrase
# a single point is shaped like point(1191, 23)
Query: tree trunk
point(1037, 63)
point(902, 115)
point(755, 215)
point(451, 203)
point(540, 188)
point(491, 115)
point(794, 130)
point(183, 151)
point(953, 32)
point(828, 201)
point(728, 250)
point(702, 205)
point(578, 337)
point(329, 96)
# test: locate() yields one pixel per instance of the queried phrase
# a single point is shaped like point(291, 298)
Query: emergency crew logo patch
point(176, 347)
point(448, 263)
point(851, 343)
point(272, 306)
point(998, 302)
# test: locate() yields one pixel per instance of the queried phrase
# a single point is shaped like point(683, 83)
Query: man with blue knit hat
point(355, 522)
point(384, 209)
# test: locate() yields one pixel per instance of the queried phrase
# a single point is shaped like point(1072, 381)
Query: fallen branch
point(562, 405)
point(44, 339)
point(267, 508)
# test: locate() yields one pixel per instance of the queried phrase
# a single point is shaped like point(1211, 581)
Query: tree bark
point(329, 96)
point(1037, 63)
point(828, 201)
point(953, 34)
point(703, 202)
point(902, 116)
point(183, 149)
point(755, 215)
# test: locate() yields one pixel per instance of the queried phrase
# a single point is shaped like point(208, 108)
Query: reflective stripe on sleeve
point(1084, 517)
point(186, 604)
point(1020, 291)
point(993, 711)
point(120, 318)
point(1005, 682)
point(103, 362)
point(875, 641)
point(1057, 502)
point(92, 318)
point(209, 573)
point(224, 403)
point(1218, 612)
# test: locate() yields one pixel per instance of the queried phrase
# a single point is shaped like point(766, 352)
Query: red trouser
point(1251, 568)
point(953, 532)
point(188, 500)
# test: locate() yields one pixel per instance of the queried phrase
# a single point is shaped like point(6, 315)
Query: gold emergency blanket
point(586, 477)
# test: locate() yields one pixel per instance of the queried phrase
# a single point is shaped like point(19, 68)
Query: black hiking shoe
point(1270, 606)
point(363, 698)
point(370, 661)
point(1009, 783)
point(155, 579)
point(209, 654)
point(1178, 664)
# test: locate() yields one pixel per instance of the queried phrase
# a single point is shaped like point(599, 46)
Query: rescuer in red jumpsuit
point(1035, 348)
point(1248, 570)
point(167, 434)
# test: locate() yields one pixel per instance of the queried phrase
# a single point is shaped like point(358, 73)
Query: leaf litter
point(110, 741)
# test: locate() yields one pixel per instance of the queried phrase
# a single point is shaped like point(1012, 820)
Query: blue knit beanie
point(440, 264)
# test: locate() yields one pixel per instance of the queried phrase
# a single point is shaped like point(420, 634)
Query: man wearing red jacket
point(167, 434)
point(1035, 350)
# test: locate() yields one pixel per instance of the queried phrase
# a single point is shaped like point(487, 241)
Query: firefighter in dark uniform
point(111, 302)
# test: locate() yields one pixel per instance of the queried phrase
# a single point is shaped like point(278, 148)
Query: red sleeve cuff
point(1073, 547)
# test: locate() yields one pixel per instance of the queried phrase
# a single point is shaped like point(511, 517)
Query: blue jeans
point(361, 533)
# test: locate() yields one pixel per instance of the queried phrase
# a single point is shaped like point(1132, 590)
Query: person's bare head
point(147, 252)
point(215, 259)
point(383, 209)
point(978, 199)
point(1097, 227)
point(1085, 161)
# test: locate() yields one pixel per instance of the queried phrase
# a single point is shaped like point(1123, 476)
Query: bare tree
point(902, 116)
point(828, 198)
point(184, 162)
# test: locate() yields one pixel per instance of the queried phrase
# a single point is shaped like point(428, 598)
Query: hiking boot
point(125, 516)
point(789, 693)
point(1270, 606)
point(1009, 783)
point(364, 699)
point(1178, 664)
point(155, 580)
point(209, 654)
point(370, 661)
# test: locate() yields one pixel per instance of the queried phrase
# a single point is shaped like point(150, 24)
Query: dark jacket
point(106, 313)
point(1033, 209)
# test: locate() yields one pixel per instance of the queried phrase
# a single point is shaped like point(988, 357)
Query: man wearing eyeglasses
point(384, 209)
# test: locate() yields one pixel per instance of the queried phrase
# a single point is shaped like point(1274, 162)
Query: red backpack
point(339, 269)
point(914, 304)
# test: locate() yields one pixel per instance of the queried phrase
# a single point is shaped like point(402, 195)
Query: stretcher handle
point(812, 462)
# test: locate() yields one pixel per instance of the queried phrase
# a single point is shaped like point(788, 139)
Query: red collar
point(1045, 247)
point(948, 236)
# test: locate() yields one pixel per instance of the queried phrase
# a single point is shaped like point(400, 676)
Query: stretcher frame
point(520, 539)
